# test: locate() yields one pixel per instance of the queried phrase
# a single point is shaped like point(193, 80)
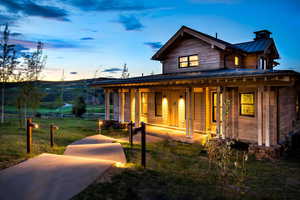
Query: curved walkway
point(60, 177)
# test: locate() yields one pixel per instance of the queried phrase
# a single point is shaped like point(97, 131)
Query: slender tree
point(7, 65)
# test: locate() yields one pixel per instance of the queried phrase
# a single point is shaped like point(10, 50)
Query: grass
point(13, 139)
point(180, 171)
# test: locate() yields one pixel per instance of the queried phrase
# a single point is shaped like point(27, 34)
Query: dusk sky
point(87, 35)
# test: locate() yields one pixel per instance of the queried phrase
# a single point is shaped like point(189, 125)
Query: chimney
point(263, 34)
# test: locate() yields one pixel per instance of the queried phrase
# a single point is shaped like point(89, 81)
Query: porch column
point(107, 104)
point(137, 107)
point(187, 108)
point(121, 106)
point(132, 105)
point(259, 116)
point(267, 118)
point(192, 112)
point(116, 105)
point(224, 114)
point(218, 128)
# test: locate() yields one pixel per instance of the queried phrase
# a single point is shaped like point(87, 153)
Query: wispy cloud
point(130, 22)
point(112, 70)
point(31, 8)
point(87, 38)
point(154, 45)
point(109, 5)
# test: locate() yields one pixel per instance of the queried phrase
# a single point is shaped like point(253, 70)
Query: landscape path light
point(53, 128)
point(29, 126)
point(100, 123)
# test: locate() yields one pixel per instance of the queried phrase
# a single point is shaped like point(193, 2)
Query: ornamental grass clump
point(227, 166)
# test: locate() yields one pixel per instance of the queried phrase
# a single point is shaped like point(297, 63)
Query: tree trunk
point(2, 103)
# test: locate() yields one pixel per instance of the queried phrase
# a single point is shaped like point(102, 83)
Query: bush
point(113, 124)
point(79, 107)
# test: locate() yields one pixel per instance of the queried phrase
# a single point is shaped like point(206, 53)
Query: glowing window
point(247, 106)
point(158, 104)
point(236, 61)
point(214, 107)
point(144, 102)
point(189, 61)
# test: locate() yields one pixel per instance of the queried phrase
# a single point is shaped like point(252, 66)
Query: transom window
point(189, 61)
point(247, 106)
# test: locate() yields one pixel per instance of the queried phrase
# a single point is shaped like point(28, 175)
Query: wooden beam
point(107, 104)
point(260, 116)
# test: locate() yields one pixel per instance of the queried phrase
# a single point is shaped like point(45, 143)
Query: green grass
point(180, 171)
point(13, 139)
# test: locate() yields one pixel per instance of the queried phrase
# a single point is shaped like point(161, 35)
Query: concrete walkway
point(60, 177)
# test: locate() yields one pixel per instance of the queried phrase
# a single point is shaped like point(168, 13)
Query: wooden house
point(212, 87)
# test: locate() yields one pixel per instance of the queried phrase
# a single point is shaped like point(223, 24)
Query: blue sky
point(86, 36)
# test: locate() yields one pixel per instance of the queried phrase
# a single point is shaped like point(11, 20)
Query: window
point(144, 102)
point(247, 107)
point(236, 61)
point(262, 63)
point(214, 107)
point(158, 104)
point(189, 61)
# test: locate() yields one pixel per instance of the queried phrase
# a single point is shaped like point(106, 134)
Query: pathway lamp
point(100, 123)
point(53, 128)
point(29, 126)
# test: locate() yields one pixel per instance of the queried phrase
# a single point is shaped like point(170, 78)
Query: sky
point(95, 38)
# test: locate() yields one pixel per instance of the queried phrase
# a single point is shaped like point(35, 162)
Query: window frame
point(188, 61)
point(155, 104)
point(240, 104)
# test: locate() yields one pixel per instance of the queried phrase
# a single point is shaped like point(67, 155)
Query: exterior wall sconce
point(181, 97)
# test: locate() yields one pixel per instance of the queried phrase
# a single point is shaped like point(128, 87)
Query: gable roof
point(255, 46)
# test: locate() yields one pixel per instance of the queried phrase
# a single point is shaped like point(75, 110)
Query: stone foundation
point(263, 152)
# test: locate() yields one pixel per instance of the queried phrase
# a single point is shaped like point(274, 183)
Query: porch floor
point(175, 134)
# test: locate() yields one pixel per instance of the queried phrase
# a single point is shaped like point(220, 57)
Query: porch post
point(121, 106)
point(224, 120)
point(218, 128)
point(137, 108)
point(107, 104)
point(187, 108)
point(267, 120)
point(116, 105)
point(259, 116)
point(192, 112)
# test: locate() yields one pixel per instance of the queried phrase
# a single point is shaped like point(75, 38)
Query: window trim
point(188, 61)
point(155, 104)
point(240, 104)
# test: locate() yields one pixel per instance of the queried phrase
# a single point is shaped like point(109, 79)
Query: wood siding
point(209, 58)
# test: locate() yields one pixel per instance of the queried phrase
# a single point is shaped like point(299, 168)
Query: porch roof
point(204, 75)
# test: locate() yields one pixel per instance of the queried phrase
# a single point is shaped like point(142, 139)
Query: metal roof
point(254, 46)
point(221, 73)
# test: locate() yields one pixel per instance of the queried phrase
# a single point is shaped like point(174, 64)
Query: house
point(212, 87)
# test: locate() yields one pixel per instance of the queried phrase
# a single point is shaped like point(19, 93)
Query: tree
point(27, 75)
point(125, 73)
point(7, 65)
point(79, 107)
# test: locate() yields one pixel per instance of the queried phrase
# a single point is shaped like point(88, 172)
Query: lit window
point(236, 61)
point(144, 102)
point(214, 107)
point(158, 104)
point(189, 61)
point(247, 107)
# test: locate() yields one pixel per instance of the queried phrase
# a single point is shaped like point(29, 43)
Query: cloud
point(130, 22)
point(109, 5)
point(112, 70)
point(16, 34)
point(6, 18)
point(154, 45)
point(30, 8)
point(214, 1)
point(87, 38)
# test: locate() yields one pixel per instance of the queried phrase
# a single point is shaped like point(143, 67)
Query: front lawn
point(180, 171)
point(13, 139)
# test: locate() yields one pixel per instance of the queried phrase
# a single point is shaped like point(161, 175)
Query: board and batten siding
point(209, 58)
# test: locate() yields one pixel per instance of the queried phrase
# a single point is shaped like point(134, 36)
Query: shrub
point(79, 107)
